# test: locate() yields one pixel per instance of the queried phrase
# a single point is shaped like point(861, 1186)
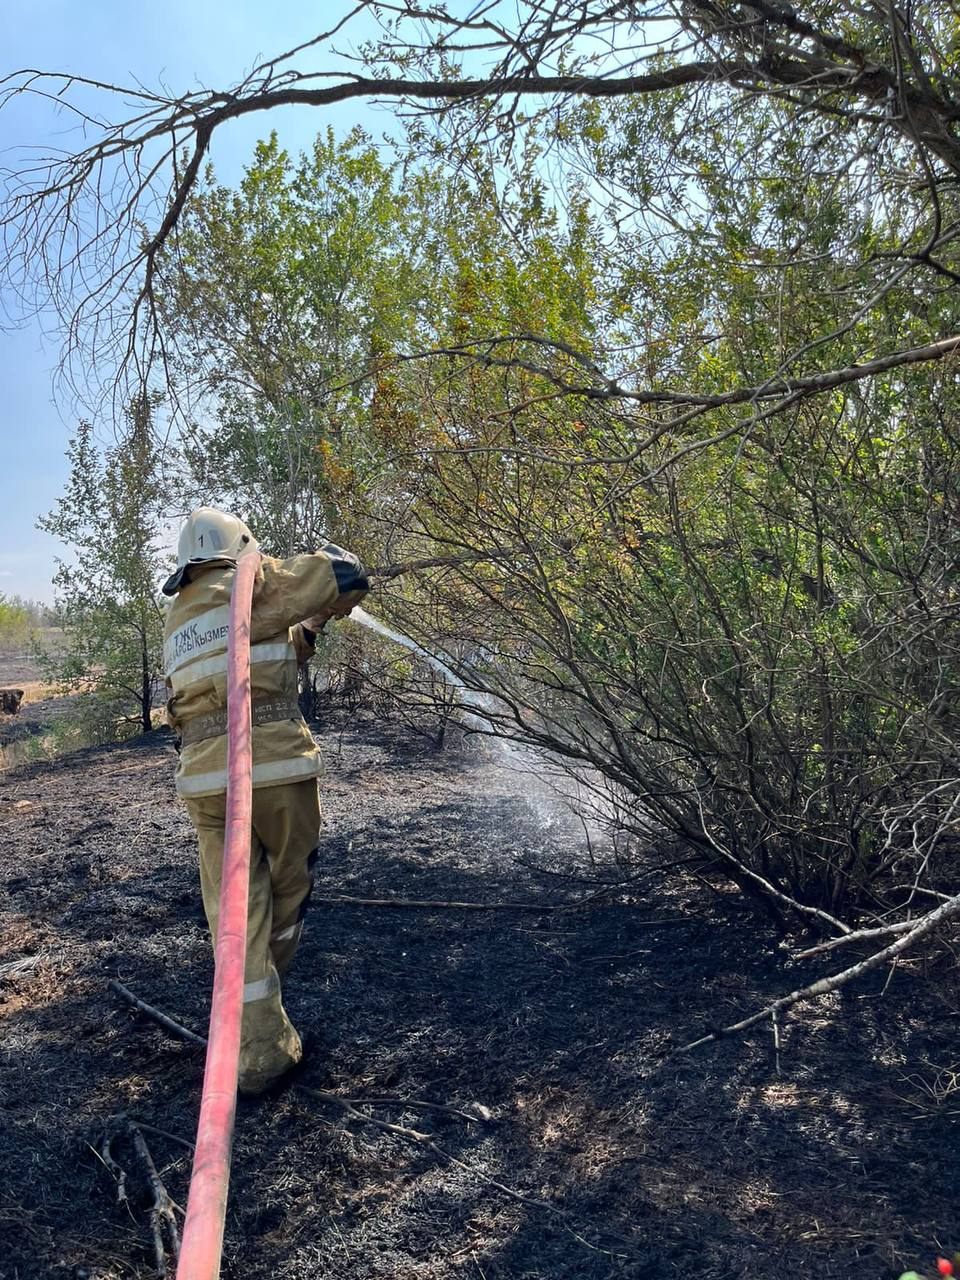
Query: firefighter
point(286, 806)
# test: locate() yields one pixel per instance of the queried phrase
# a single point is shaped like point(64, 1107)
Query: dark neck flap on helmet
point(186, 571)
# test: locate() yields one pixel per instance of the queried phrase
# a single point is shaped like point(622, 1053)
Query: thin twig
point(424, 1140)
point(162, 1133)
point(183, 1032)
point(347, 1107)
point(119, 1174)
point(482, 1115)
point(438, 562)
point(775, 1020)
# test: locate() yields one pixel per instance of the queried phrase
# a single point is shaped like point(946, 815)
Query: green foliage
point(284, 291)
point(757, 649)
point(19, 620)
point(107, 604)
point(14, 622)
point(90, 720)
point(741, 616)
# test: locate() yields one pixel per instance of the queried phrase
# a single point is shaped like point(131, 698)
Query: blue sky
point(183, 43)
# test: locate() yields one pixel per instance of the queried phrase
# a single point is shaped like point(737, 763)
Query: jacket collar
point(184, 574)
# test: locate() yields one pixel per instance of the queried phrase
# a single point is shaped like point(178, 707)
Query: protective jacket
point(197, 628)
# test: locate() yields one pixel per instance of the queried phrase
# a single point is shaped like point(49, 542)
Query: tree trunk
point(146, 686)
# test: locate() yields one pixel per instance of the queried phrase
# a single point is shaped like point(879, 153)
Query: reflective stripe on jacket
point(195, 660)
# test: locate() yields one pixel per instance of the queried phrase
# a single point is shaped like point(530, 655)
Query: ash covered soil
point(568, 1160)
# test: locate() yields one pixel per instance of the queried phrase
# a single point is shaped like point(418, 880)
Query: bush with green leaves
point(108, 606)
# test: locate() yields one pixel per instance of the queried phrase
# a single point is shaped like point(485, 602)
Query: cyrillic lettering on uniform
point(201, 636)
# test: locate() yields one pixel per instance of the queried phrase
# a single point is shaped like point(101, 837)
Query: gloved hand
point(304, 639)
point(352, 584)
point(345, 604)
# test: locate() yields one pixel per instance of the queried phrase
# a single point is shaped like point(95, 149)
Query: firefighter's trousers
point(283, 848)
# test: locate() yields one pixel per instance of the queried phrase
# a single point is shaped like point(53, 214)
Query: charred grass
point(545, 1029)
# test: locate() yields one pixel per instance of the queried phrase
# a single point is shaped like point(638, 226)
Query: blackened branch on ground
point(183, 1032)
point(351, 1112)
point(163, 1210)
point(430, 904)
point(921, 928)
point(478, 1115)
point(434, 905)
point(119, 1174)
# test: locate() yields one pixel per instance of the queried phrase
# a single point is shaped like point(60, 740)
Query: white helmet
point(209, 535)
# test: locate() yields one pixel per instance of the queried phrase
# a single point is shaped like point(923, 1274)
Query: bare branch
point(920, 929)
point(164, 1021)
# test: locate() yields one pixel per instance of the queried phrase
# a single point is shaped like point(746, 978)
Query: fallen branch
point(183, 1032)
point(119, 1174)
point(439, 904)
point(349, 1110)
point(481, 1114)
point(860, 935)
point(921, 928)
point(163, 1208)
point(429, 904)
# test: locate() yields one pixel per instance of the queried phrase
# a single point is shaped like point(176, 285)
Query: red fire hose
point(207, 1203)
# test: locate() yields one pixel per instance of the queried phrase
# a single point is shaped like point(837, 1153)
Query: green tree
point(736, 605)
point(110, 518)
point(731, 596)
point(281, 295)
point(14, 621)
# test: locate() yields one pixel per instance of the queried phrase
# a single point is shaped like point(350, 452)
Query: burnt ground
point(546, 1023)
